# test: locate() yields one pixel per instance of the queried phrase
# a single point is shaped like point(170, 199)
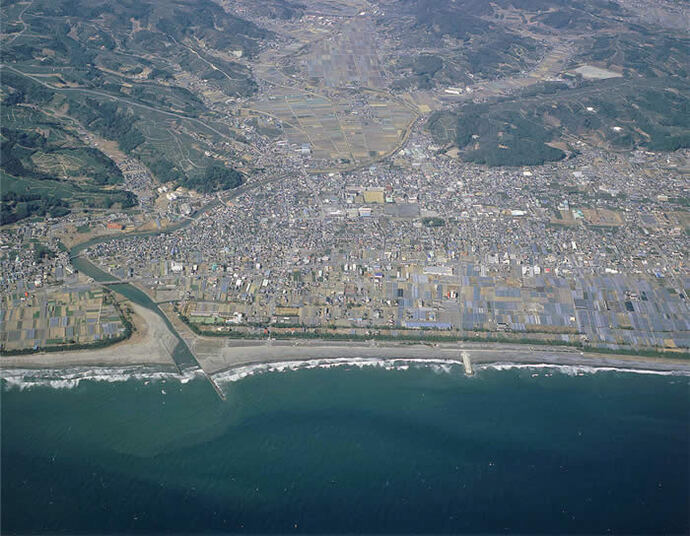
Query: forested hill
point(138, 72)
point(602, 73)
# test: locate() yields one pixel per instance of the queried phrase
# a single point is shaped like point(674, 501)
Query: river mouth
point(181, 354)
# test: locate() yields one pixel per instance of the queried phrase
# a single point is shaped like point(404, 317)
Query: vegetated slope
point(463, 19)
point(460, 42)
point(640, 51)
point(276, 9)
point(644, 105)
point(46, 169)
point(146, 68)
point(516, 131)
point(456, 43)
point(451, 43)
point(101, 43)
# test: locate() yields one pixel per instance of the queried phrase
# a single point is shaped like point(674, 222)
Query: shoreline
point(153, 343)
point(156, 337)
point(256, 355)
point(68, 377)
point(223, 359)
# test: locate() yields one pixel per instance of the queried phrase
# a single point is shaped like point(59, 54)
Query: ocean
point(413, 448)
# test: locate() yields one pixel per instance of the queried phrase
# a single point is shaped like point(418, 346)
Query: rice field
point(342, 115)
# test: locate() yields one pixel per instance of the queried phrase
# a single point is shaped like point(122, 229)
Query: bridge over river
point(181, 354)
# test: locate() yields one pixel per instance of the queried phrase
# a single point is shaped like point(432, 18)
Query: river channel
point(184, 359)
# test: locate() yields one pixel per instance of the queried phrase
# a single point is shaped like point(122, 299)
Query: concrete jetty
point(467, 363)
point(215, 386)
point(196, 345)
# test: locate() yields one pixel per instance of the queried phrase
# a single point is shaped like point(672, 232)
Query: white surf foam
point(440, 366)
point(238, 373)
point(578, 370)
point(69, 378)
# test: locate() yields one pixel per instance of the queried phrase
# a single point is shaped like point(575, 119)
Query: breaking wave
point(238, 373)
point(69, 378)
point(577, 370)
point(437, 365)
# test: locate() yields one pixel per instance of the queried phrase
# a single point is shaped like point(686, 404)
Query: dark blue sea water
point(351, 450)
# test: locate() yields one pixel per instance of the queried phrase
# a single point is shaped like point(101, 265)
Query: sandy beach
point(239, 354)
point(153, 343)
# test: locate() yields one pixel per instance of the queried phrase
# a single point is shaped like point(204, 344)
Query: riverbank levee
point(180, 354)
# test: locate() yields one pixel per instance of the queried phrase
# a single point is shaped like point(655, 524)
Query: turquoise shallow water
point(351, 450)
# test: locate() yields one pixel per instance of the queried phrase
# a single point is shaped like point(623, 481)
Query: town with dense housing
point(346, 169)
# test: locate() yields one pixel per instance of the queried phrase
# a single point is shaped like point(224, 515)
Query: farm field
point(79, 315)
point(333, 101)
point(332, 131)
